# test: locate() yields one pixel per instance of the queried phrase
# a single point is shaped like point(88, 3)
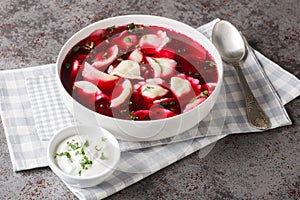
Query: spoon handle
point(256, 115)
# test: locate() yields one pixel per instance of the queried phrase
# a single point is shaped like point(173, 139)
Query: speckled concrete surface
point(248, 166)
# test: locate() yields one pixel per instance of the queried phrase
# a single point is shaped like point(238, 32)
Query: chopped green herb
point(172, 109)
point(76, 48)
point(131, 26)
point(204, 93)
point(127, 40)
point(137, 46)
point(98, 148)
point(145, 37)
point(85, 161)
point(164, 103)
point(194, 99)
point(82, 151)
point(129, 102)
point(73, 146)
point(147, 88)
point(67, 154)
point(102, 157)
point(211, 63)
point(132, 117)
point(103, 35)
point(107, 41)
point(86, 144)
point(172, 102)
point(103, 139)
point(101, 105)
point(79, 173)
point(111, 29)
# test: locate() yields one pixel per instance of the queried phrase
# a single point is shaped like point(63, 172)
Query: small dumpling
point(153, 91)
point(162, 67)
point(87, 87)
point(121, 94)
point(128, 69)
point(155, 67)
point(180, 86)
point(104, 81)
point(136, 56)
point(102, 63)
point(87, 93)
point(157, 41)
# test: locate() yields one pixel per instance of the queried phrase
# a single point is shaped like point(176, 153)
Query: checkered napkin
point(32, 111)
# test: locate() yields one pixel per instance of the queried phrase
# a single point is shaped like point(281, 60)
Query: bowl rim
point(52, 144)
point(215, 55)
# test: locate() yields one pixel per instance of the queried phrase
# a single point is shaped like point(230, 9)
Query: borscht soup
point(139, 72)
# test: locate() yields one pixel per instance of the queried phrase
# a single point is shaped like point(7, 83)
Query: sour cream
point(84, 155)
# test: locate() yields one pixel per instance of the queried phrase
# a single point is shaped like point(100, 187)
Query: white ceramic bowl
point(90, 132)
point(141, 130)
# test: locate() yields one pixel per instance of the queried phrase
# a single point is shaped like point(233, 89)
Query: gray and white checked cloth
point(32, 112)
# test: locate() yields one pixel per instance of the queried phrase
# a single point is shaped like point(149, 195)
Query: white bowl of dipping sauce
point(83, 156)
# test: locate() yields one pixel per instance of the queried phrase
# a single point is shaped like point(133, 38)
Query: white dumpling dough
point(126, 91)
point(103, 63)
point(87, 87)
point(93, 74)
point(180, 86)
point(152, 91)
point(128, 69)
point(136, 56)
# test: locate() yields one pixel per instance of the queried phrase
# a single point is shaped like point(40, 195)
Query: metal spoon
point(232, 49)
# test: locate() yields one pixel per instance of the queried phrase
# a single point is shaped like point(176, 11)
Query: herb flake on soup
point(138, 72)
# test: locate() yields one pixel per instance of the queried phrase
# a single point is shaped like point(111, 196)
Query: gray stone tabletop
point(247, 166)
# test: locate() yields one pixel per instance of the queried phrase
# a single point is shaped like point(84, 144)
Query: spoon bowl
point(232, 48)
point(229, 42)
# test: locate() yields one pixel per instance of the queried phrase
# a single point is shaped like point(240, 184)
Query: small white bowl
point(90, 132)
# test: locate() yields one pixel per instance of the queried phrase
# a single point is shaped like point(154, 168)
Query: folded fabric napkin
point(32, 112)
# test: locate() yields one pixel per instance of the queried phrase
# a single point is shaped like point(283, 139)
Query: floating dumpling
point(104, 81)
point(121, 93)
point(155, 67)
point(157, 41)
point(180, 86)
point(103, 59)
point(136, 56)
point(162, 67)
point(87, 93)
point(87, 87)
point(153, 91)
point(128, 69)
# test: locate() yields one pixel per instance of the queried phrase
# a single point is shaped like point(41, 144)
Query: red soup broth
point(138, 72)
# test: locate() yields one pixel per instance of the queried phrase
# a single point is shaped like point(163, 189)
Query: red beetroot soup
point(138, 72)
